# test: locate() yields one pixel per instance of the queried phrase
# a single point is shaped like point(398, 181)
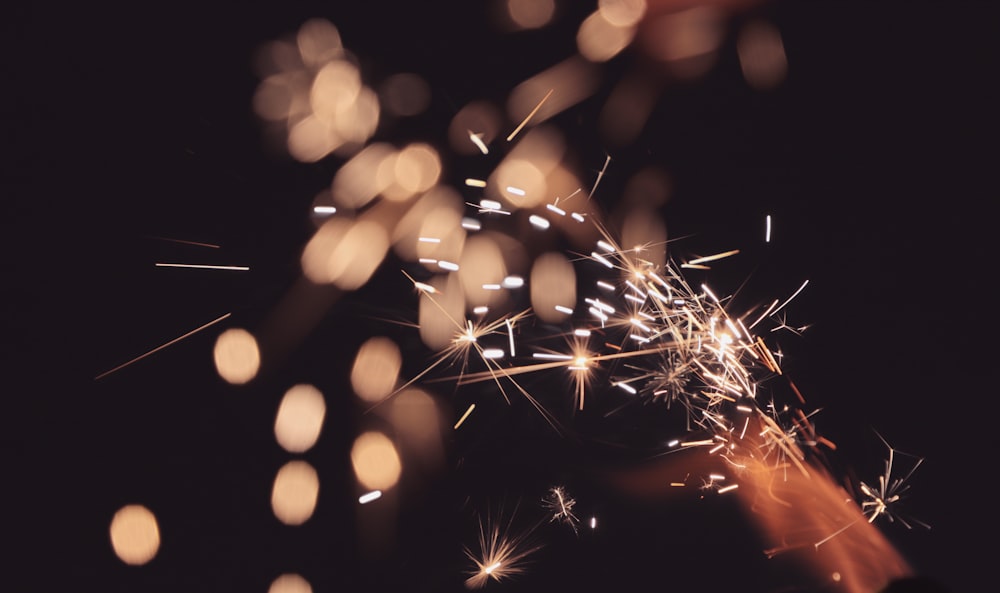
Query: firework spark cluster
point(520, 279)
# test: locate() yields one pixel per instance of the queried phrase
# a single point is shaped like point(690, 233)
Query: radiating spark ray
point(528, 117)
point(161, 347)
point(789, 299)
point(708, 258)
point(600, 174)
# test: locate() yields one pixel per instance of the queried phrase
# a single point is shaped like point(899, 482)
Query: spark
point(464, 416)
point(560, 506)
point(501, 552)
point(600, 174)
point(477, 139)
point(881, 501)
point(370, 496)
point(528, 117)
point(324, 210)
point(161, 347)
point(185, 242)
point(708, 258)
point(202, 266)
point(767, 229)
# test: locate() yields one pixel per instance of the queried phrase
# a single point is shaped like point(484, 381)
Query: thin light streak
point(325, 210)
point(717, 256)
point(464, 416)
point(527, 118)
point(475, 182)
point(161, 347)
point(185, 242)
point(202, 266)
point(600, 174)
point(767, 229)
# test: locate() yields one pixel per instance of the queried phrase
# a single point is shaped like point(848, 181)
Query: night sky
point(134, 122)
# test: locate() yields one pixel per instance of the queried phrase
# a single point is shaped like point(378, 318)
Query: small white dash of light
point(491, 287)
point(627, 388)
point(493, 353)
point(370, 496)
point(513, 282)
point(563, 309)
point(515, 190)
point(583, 333)
point(428, 240)
point(556, 209)
point(477, 139)
point(600, 258)
point(447, 265)
point(481, 310)
point(324, 210)
point(606, 246)
point(593, 522)
point(577, 217)
point(767, 231)
point(538, 221)
point(475, 182)
point(605, 285)
point(489, 204)
point(471, 224)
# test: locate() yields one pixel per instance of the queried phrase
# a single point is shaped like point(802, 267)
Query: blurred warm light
point(277, 98)
point(237, 356)
point(417, 168)
point(334, 90)
point(478, 118)
point(416, 420)
point(311, 139)
point(290, 583)
point(300, 418)
point(599, 39)
point(520, 182)
point(405, 95)
point(553, 284)
point(441, 315)
point(622, 13)
point(644, 231)
point(687, 38)
point(762, 55)
point(627, 110)
point(649, 188)
point(358, 181)
point(375, 460)
point(345, 252)
point(135, 535)
point(482, 263)
point(531, 14)
point(318, 42)
point(296, 488)
point(277, 57)
point(570, 82)
point(435, 215)
point(357, 123)
point(376, 369)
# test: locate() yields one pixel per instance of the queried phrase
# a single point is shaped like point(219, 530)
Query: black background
point(130, 122)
